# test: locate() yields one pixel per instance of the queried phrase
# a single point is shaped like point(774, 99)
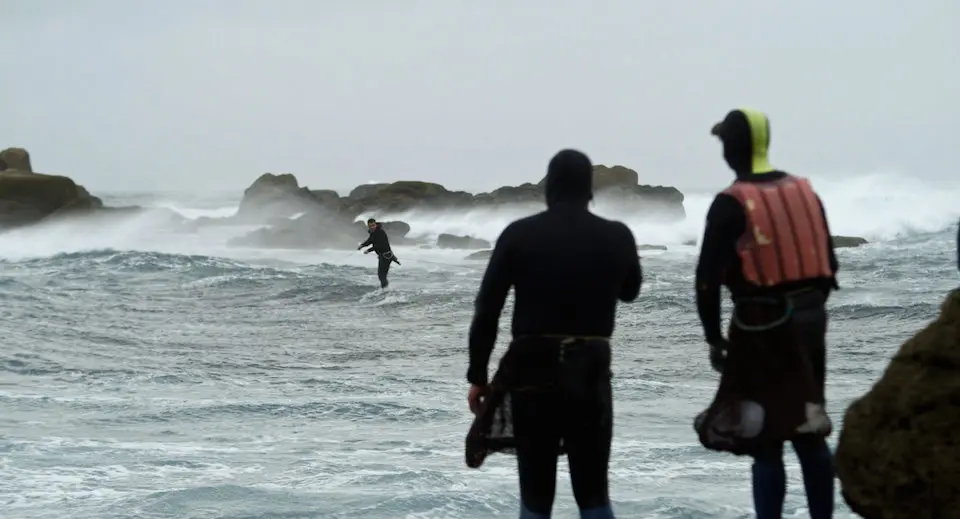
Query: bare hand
point(475, 398)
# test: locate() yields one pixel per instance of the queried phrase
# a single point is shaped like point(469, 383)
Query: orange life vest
point(786, 236)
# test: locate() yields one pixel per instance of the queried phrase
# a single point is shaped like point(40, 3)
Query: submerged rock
point(480, 255)
point(842, 242)
point(898, 454)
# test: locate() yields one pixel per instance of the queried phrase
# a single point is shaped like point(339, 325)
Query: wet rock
point(898, 454)
point(27, 197)
point(842, 242)
point(616, 182)
point(480, 255)
point(315, 229)
point(452, 241)
point(395, 230)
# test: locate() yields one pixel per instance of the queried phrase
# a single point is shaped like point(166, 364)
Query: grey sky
point(199, 94)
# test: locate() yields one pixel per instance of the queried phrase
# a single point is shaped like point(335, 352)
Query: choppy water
point(138, 384)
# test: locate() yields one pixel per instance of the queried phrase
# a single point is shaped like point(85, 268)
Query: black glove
point(718, 354)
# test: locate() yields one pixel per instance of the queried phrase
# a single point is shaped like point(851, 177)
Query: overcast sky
point(203, 94)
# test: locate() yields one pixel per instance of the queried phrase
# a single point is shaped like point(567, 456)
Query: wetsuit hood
point(745, 134)
point(569, 179)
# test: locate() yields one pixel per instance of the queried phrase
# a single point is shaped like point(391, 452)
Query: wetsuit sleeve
point(368, 241)
point(491, 297)
point(634, 278)
point(725, 223)
point(834, 263)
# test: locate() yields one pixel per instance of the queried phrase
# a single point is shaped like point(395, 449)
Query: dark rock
point(841, 242)
point(27, 198)
point(395, 230)
point(452, 241)
point(523, 194)
point(405, 195)
point(898, 454)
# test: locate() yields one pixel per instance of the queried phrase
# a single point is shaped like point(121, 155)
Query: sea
point(146, 373)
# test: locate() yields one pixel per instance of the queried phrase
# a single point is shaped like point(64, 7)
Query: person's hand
point(368, 251)
point(475, 398)
point(359, 247)
point(718, 354)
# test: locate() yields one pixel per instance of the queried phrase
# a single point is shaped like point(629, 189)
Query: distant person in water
point(552, 392)
point(380, 244)
point(767, 239)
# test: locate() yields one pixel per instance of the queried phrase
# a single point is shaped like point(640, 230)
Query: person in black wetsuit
point(568, 268)
point(745, 136)
point(380, 244)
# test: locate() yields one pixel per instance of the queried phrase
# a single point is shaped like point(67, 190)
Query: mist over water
point(879, 207)
point(151, 372)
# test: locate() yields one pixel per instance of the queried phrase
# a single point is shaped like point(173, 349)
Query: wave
point(878, 207)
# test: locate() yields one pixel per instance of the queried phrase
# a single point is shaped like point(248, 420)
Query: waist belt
point(562, 342)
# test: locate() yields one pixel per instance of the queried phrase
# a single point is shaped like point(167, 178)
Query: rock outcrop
point(275, 199)
point(27, 197)
point(452, 241)
point(281, 195)
point(898, 454)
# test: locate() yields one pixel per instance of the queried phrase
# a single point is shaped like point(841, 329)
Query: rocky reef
point(298, 217)
point(898, 454)
point(288, 215)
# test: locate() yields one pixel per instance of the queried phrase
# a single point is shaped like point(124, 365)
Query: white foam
point(877, 207)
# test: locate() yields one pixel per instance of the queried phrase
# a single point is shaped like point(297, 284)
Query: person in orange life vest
point(767, 239)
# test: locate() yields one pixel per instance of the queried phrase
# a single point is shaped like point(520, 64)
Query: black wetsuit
point(380, 244)
point(568, 268)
